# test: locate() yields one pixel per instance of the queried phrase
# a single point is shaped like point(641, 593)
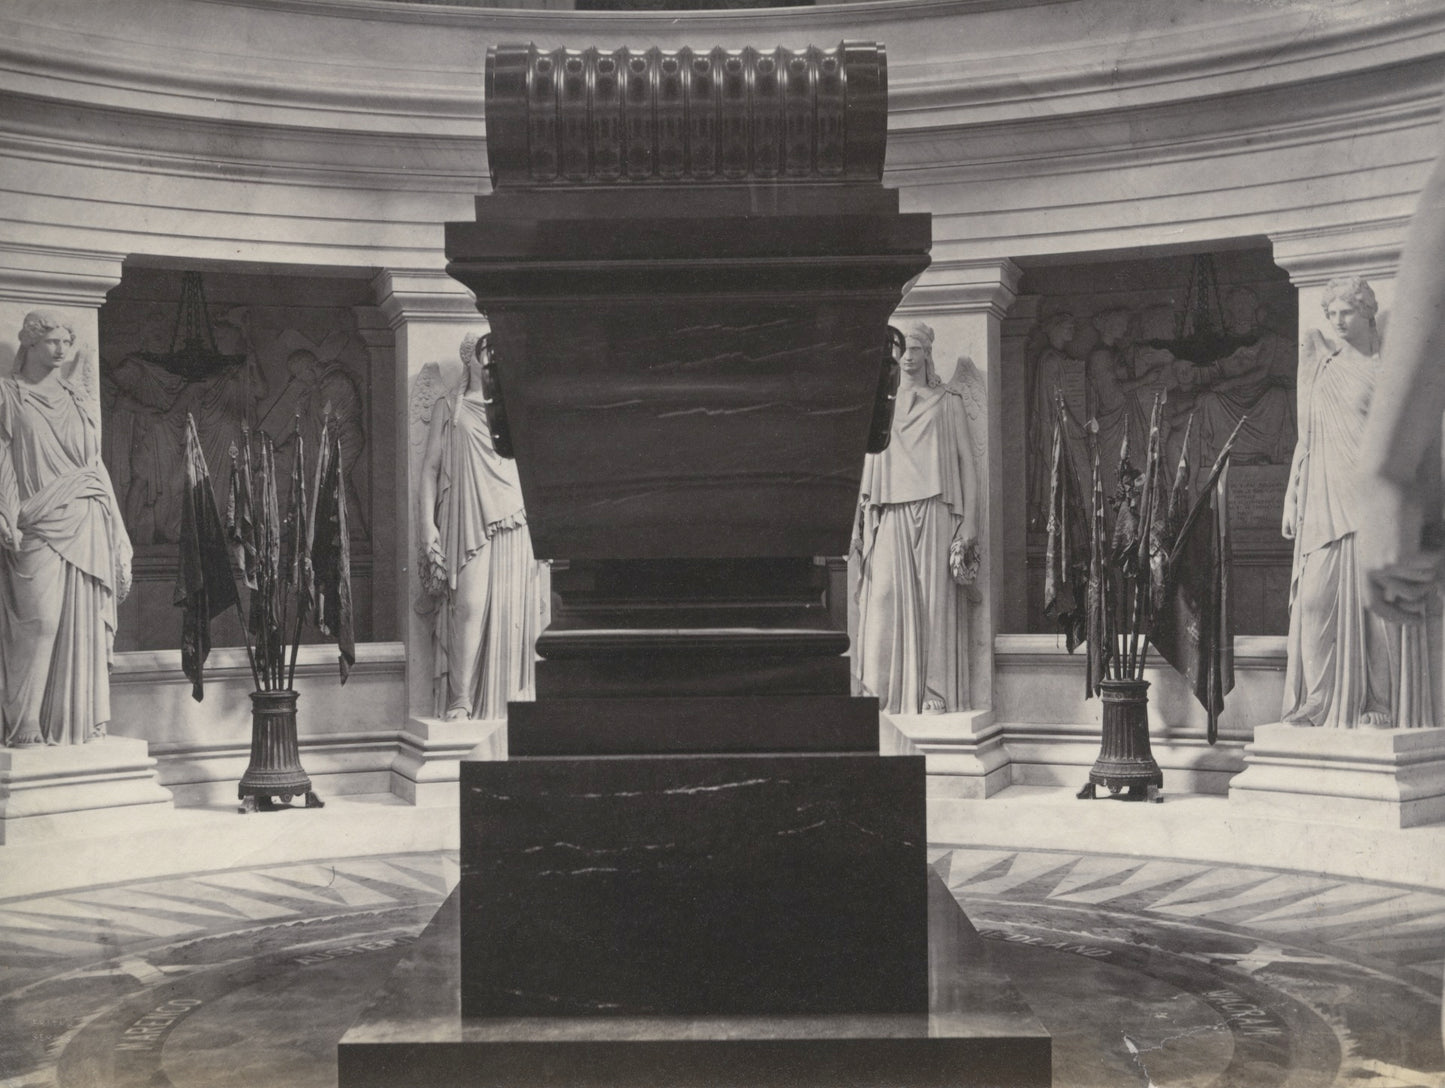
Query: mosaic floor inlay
point(1157, 973)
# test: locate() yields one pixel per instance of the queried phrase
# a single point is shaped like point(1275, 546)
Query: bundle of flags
point(1160, 575)
point(204, 586)
point(295, 568)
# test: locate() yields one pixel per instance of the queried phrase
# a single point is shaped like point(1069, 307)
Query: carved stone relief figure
point(917, 539)
point(1132, 359)
point(1122, 399)
point(1255, 380)
point(1347, 667)
point(64, 553)
point(146, 407)
point(1054, 372)
point(318, 386)
point(488, 594)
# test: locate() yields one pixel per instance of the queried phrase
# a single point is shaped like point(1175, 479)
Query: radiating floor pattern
point(1147, 972)
point(1163, 973)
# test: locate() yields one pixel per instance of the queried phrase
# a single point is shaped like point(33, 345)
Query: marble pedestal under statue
point(1387, 778)
point(430, 750)
point(107, 786)
point(964, 750)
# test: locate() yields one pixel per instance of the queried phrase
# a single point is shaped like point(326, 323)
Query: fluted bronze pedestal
point(1125, 761)
point(275, 769)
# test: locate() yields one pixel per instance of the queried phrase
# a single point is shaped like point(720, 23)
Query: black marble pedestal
point(694, 885)
point(976, 1031)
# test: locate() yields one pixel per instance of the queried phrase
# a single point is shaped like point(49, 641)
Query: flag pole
point(301, 550)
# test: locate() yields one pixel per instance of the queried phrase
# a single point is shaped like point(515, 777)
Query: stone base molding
point(77, 790)
point(429, 751)
point(963, 752)
point(1384, 778)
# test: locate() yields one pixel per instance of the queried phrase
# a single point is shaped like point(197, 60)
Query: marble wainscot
point(694, 867)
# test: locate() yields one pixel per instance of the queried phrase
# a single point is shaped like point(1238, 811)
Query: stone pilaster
point(965, 301)
point(1316, 255)
point(72, 282)
point(1375, 778)
point(387, 424)
point(428, 313)
point(72, 789)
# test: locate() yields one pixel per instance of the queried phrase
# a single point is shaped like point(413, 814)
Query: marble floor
point(1148, 971)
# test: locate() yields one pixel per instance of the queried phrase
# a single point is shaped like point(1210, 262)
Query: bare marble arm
point(1399, 451)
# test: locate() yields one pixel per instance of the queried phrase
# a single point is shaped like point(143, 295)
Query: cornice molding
point(953, 63)
point(1256, 47)
point(988, 285)
point(51, 275)
point(1315, 255)
point(869, 14)
point(1245, 120)
point(256, 152)
point(422, 294)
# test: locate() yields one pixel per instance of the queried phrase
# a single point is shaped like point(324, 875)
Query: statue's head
point(303, 365)
point(47, 336)
point(1350, 307)
point(918, 351)
point(1112, 325)
point(1241, 311)
point(475, 350)
point(230, 340)
point(1356, 292)
point(1059, 329)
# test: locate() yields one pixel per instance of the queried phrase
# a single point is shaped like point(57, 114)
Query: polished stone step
point(977, 1031)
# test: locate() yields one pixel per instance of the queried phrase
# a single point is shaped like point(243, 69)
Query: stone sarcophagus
point(688, 263)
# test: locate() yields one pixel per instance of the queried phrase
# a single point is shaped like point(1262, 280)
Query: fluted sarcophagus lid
point(569, 117)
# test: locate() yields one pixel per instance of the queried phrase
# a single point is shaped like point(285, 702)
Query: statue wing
point(84, 372)
point(430, 386)
point(969, 383)
point(1315, 349)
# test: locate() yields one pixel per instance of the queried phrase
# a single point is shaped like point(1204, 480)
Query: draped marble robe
point(480, 518)
point(1347, 667)
point(917, 500)
point(61, 579)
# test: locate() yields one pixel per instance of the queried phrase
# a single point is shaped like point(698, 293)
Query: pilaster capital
point(422, 294)
point(1315, 255)
point(33, 275)
point(986, 285)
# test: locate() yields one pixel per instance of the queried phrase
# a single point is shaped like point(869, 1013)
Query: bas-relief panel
point(302, 360)
point(1107, 352)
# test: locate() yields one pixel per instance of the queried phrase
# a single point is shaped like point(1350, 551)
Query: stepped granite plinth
point(975, 1030)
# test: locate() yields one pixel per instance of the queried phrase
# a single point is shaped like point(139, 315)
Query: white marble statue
point(1347, 667)
point(64, 553)
point(917, 539)
point(488, 594)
